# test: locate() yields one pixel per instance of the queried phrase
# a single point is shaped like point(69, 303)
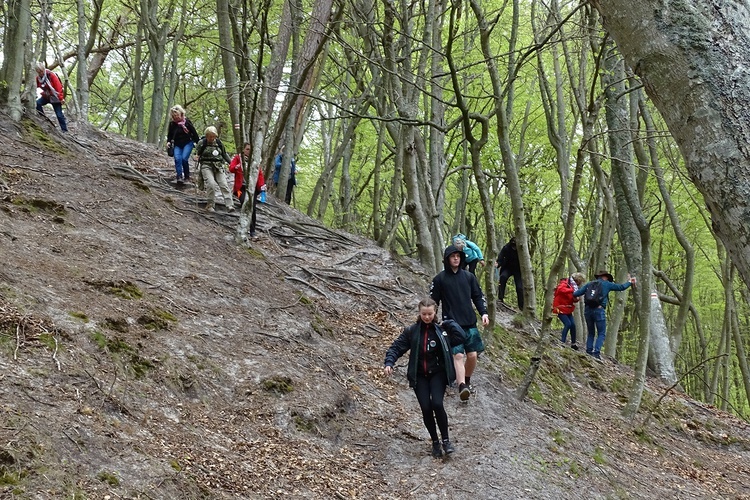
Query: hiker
point(52, 93)
point(211, 159)
point(508, 265)
point(181, 136)
point(240, 188)
point(473, 253)
point(563, 305)
point(595, 298)
point(430, 369)
point(292, 176)
point(457, 289)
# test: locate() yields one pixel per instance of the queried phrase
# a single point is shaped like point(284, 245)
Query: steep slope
point(145, 355)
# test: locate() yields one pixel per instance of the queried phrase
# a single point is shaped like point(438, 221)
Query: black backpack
point(593, 297)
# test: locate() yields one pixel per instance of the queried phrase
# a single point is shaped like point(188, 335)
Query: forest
point(567, 125)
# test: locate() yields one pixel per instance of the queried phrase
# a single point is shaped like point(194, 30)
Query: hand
point(388, 370)
point(485, 320)
point(481, 262)
point(263, 187)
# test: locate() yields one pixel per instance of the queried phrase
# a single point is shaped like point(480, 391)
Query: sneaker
point(230, 208)
point(180, 180)
point(210, 209)
point(574, 347)
point(596, 355)
point(448, 447)
point(463, 392)
point(471, 389)
point(436, 451)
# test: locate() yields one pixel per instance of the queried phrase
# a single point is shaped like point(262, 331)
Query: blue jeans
point(568, 325)
point(42, 101)
point(595, 318)
point(181, 160)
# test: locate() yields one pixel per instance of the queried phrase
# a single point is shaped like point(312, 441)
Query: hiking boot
point(448, 447)
point(574, 347)
point(463, 392)
point(436, 451)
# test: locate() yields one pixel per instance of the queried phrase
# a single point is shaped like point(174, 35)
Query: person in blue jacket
point(472, 252)
point(292, 176)
point(430, 369)
point(596, 297)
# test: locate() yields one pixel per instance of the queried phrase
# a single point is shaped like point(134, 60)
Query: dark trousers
point(242, 194)
point(569, 325)
point(430, 391)
point(58, 111)
point(504, 275)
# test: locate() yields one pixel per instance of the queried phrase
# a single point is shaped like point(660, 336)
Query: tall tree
point(14, 55)
point(682, 53)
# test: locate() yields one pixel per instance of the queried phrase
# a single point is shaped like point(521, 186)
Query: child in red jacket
point(52, 93)
point(564, 304)
point(240, 188)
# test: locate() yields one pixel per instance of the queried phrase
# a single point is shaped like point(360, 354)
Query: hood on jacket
point(451, 249)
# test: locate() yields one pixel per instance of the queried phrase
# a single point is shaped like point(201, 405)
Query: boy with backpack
point(595, 297)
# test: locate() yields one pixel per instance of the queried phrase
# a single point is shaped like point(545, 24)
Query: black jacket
point(178, 136)
point(450, 335)
point(507, 259)
point(457, 291)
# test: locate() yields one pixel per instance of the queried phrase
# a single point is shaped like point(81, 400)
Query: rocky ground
point(145, 354)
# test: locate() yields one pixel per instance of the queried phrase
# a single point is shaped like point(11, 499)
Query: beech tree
point(686, 54)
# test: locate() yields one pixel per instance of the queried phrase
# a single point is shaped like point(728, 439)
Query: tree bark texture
point(691, 57)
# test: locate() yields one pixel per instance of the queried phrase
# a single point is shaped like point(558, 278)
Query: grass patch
point(598, 456)
point(79, 315)
point(123, 288)
point(109, 478)
point(117, 324)
point(157, 319)
point(37, 205)
point(278, 384)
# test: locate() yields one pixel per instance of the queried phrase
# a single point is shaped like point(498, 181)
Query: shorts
point(473, 342)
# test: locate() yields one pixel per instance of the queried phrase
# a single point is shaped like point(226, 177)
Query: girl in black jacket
point(430, 368)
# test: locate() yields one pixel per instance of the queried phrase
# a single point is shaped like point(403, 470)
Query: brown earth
point(144, 354)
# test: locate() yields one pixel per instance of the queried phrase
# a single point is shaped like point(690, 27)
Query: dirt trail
point(145, 355)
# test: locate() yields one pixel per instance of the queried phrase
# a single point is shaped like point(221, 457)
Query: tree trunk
point(683, 53)
point(14, 54)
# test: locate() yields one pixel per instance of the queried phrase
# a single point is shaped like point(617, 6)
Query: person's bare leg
point(458, 363)
point(471, 364)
